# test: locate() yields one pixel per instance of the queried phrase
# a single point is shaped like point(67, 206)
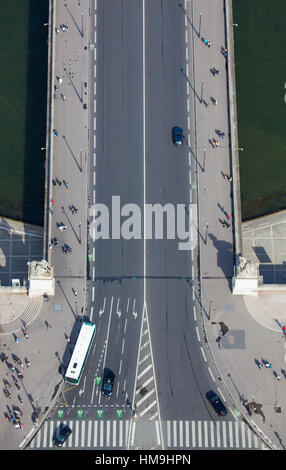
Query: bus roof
point(80, 351)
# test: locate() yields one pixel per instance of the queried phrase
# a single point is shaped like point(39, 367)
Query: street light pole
point(200, 22)
point(210, 307)
point(204, 160)
point(202, 87)
point(79, 226)
point(207, 228)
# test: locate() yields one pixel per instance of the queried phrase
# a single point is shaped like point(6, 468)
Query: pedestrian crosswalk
point(211, 435)
point(177, 434)
point(85, 434)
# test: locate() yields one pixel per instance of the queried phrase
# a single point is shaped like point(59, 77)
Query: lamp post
point(204, 160)
point(200, 22)
point(202, 88)
point(210, 307)
point(79, 228)
point(207, 228)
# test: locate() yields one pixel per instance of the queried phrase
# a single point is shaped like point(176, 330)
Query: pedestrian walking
point(228, 216)
point(25, 334)
point(28, 363)
point(278, 377)
point(66, 184)
point(17, 339)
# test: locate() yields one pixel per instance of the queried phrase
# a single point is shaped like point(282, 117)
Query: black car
point(177, 135)
point(107, 383)
point(61, 435)
point(216, 403)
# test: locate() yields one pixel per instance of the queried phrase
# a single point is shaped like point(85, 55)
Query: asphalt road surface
point(143, 294)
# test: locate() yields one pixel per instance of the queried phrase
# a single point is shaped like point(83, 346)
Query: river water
point(23, 85)
point(260, 81)
point(260, 76)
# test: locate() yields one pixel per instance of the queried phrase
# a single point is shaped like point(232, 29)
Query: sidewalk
point(253, 335)
point(239, 331)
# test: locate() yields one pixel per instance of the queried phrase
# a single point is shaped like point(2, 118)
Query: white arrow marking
point(82, 389)
point(134, 312)
point(118, 311)
point(101, 311)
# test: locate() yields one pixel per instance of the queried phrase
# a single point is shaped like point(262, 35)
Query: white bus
point(80, 353)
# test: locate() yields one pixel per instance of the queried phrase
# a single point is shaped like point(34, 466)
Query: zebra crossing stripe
point(187, 434)
point(158, 432)
point(108, 434)
point(51, 434)
point(101, 434)
point(114, 433)
point(179, 434)
point(168, 434)
point(212, 433)
point(82, 433)
point(230, 433)
point(120, 433)
point(206, 434)
point(224, 433)
point(200, 434)
point(95, 434)
point(193, 434)
point(243, 434)
point(89, 433)
point(236, 434)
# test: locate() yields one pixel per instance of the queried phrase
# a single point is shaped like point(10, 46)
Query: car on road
point(216, 402)
point(107, 383)
point(177, 135)
point(61, 435)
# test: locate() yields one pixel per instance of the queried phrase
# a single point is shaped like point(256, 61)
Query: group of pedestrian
point(214, 143)
point(13, 416)
point(214, 71)
point(61, 226)
point(206, 42)
point(220, 133)
point(73, 209)
point(53, 242)
point(227, 177)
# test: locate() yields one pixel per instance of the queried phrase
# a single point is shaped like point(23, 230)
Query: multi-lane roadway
point(143, 294)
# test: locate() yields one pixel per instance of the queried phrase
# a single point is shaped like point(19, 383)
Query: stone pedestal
point(246, 279)
point(41, 278)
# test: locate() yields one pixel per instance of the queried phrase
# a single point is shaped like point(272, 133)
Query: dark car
point(61, 435)
point(177, 135)
point(107, 383)
point(216, 403)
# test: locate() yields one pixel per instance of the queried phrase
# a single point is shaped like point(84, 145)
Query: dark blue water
point(23, 87)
